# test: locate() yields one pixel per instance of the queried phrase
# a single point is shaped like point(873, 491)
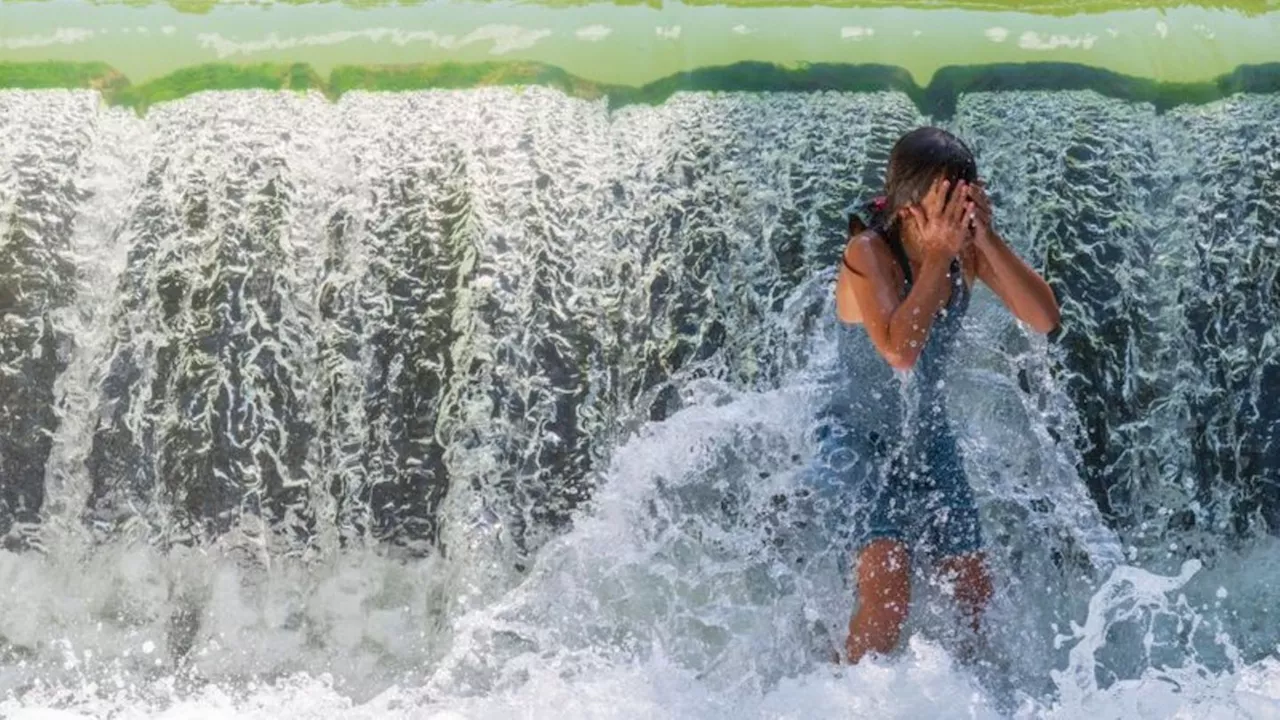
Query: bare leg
point(884, 592)
point(972, 584)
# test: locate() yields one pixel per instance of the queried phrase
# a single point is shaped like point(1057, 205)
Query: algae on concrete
point(220, 76)
point(938, 99)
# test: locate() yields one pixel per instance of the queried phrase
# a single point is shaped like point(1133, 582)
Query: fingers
point(935, 200)
point(981, 213)
point(916, 218)
point(980, 189)
point(978, 193)
point(982, 216)
point(950, 213)
point(960, 207)
point(981, 202)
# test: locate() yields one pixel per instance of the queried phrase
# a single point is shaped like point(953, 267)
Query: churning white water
point(497, 403)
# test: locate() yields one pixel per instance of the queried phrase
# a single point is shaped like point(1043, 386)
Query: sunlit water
point(495, 403)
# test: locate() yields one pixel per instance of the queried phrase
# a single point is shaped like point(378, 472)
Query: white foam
point(61, 36)
point(504, 39)
point(593, 33)
point(1031, 40)
point(922, 683)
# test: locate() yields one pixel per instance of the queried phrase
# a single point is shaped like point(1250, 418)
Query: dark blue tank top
point(868, 396)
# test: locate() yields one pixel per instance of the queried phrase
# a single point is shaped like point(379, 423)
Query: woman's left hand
point(980, 217)
point(1016, 283)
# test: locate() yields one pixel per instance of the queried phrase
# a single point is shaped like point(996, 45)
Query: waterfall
point(431, 381)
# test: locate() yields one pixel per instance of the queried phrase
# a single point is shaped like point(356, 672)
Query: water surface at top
point(637, 44)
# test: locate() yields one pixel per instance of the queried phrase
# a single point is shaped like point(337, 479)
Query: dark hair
point(916, 160)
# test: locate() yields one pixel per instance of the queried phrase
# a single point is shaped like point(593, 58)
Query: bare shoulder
point(866, 259)
point(864, 253)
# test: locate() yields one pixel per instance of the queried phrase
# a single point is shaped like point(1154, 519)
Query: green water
point(638, 44)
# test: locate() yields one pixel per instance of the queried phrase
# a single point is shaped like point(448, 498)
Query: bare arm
point(897, 326)
point(1018, 285)
point(1023, 291)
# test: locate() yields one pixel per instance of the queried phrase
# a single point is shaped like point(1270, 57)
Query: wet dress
point(887, 445)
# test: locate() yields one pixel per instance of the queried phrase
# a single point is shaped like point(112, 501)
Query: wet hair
point(916, 160)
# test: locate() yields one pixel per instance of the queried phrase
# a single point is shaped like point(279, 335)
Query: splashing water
point(664, 603)
point(484, 403)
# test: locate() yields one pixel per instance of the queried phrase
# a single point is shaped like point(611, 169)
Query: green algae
point(221, 76)
point(53, 74)
point(937, 99)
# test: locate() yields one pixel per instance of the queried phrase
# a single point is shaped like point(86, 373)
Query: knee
point(971, 580)
point(979, 588)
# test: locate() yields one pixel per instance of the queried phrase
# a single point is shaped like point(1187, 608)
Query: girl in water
point(905, 278)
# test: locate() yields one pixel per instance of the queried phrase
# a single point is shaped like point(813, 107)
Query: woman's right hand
point(940, 224)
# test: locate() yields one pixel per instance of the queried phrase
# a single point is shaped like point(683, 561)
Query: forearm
point(1029, 297)
point(910, 322)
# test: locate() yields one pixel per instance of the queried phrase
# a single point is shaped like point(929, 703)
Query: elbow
point(1043, 317)
point(898, 353)
point(901, 360)
point(1053, 315)
point(1049, 321)
point(1046, 325)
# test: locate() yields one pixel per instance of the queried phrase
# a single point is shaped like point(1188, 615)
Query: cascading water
point(498, 401)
